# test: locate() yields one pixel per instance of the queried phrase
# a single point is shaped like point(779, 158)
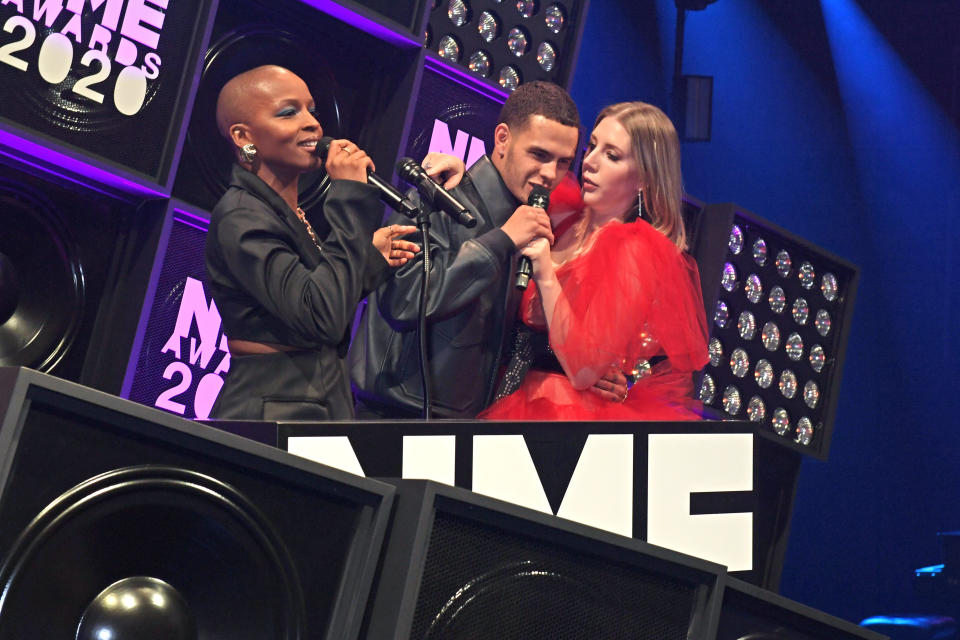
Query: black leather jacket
point(271, 283)
point(471, 306)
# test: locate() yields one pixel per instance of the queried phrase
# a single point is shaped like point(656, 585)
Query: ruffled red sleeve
point(632, 295)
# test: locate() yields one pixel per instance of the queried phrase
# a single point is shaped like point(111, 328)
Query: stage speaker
point(751, 613)
point(462, 566)
point(180, 354)
point(119, 521)
point(72, 259)
point(114, 90)
point(453, 114)
point(344, 67)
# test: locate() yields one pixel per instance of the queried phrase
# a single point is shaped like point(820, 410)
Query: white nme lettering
point(116, 32)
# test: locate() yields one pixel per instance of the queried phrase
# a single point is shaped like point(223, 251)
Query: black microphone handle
point(539, 197)
point(388, 193)
point(434, 194)
point(391, 196)
point(524, 271)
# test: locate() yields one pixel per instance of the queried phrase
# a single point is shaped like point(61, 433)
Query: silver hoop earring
point(248, 153)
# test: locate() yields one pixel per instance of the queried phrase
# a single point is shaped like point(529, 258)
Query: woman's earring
point(248, 153)
point(640, 203)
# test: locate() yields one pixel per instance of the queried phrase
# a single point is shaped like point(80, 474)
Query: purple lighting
point(362, 19)
point(464, 79)
point(49, 160)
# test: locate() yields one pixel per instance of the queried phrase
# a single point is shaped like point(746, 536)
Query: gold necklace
point(303, 218)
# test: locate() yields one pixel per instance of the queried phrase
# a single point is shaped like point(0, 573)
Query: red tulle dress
point(631, 296)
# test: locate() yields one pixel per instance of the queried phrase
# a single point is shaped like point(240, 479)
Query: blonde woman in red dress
point(616, 290)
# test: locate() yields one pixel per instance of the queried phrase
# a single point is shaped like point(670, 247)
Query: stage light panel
point(801, 301)
point(509, 42)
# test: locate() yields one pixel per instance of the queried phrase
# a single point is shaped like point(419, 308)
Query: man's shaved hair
point(234, 99)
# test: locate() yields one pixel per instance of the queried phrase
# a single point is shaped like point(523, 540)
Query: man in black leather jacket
point(472, 300)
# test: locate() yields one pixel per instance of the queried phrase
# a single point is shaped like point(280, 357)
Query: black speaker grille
point(483, 583)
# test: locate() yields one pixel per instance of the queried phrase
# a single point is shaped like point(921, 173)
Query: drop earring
point(639, 204)
point(248, 153)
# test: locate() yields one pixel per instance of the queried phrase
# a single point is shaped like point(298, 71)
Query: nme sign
point(87, 37)
point(466, 147)
point(203, 357)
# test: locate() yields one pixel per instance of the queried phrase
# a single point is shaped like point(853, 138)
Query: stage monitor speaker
point(72, 260)
point(751, 613)
point(109, 508)
point(114, 89)
point(461, 566)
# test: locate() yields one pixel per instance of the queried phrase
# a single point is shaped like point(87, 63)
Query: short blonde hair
point(656, 149)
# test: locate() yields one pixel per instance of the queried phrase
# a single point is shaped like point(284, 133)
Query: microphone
point(539, 198)
point(433, 193)
point(388, 193)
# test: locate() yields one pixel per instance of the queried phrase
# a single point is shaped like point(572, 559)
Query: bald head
point(238, 97)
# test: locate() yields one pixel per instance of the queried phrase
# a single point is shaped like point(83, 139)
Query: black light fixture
point(508, 42)
point(692, 94)
point(779, 332)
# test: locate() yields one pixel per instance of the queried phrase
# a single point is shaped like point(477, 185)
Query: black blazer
point(271, 283)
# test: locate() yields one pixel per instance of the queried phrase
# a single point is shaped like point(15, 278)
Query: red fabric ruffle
point(630, 296)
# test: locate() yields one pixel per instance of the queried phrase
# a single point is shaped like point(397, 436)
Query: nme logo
point(203, 357)
point(87, 37)
point(466, 147)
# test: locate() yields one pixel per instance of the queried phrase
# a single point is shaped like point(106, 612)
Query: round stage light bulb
point(753, 288)
point(829, 287)
point(546, 56)
point(804, 431)
point(807, 275)
point(800, 311)
point(777, 299)
point(449, 49)
point(784, 263)
point(735, 243)
point(760, 252)
point(739, 362)
point(488, 26)
point(763, 373)
point(729, 279)
point(480, 63)
point(517, 41)
point(721, 315)
point(817, 358)
point(794, 346)
point(459, 12)
point(715, 349)
point(811, 394)
point(756, 409)
point(822, 322)
point(770, 336)
point(747, 325)
point(780, 421)
point(555, 17)
point(731, 400)
point(708, 390)
point(526, 8)
point(788, 384)
point(509, 78)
